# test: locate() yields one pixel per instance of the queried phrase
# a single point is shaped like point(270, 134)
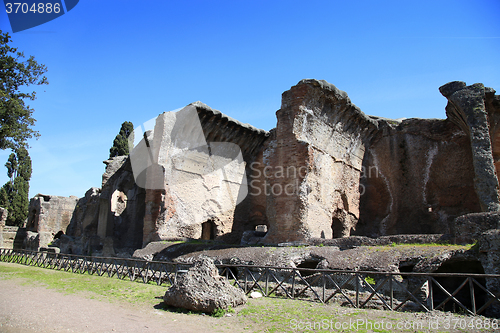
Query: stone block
point(201, 288)
point(469, 227)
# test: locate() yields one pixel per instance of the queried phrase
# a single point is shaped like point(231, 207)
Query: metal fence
point(471, 294)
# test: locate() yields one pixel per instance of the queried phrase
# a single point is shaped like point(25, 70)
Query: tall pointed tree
point(14, 194)
point(120, 144)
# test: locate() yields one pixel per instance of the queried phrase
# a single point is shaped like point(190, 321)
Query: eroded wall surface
point(86, 214)
point(200, 159)
point(110, 216)
point(48, 215)
point(121, 205)
point(365, 175)
point(419, 178)
point(319, 146)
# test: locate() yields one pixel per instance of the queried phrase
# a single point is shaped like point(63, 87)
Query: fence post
point(472, 296)
point(357, 290)
point(267, 282)
point(324, 285)
point(246, 271)
point(391, 291)
point(430, 301)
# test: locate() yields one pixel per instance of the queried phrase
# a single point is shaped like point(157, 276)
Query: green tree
point(120, 143)
point(11, 166)
point(16, 73)
point(14, 194)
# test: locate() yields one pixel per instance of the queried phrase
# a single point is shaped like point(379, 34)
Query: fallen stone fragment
point(255, 294)
point(201, 288)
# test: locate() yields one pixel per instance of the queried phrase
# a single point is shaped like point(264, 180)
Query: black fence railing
point(471, 294)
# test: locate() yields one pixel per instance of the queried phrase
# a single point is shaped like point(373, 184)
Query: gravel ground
point(37, 309)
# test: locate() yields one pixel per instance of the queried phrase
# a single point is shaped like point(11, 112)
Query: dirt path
point(37, 309)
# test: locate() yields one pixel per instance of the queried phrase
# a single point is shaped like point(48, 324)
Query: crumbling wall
point(316, 163)
point(48, 215)
point(121, 205)
point(419, 178)
point(200, 160)
point(112, 215)
point(85, 215)
point(365, 175)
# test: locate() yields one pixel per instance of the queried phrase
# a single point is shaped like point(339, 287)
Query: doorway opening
point(208, 230)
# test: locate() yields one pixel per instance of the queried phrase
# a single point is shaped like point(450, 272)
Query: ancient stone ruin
point(48, 215)
point(326, 171)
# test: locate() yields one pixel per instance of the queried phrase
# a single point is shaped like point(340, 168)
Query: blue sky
point(111, 61)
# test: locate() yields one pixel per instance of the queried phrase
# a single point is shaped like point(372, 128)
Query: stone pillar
point(3, 218)
point(102, 224)
point(466, 108)
point(285, 198)
point(314, 164)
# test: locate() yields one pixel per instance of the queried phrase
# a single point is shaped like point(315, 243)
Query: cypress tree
point(14, 194)
point(120, 143)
